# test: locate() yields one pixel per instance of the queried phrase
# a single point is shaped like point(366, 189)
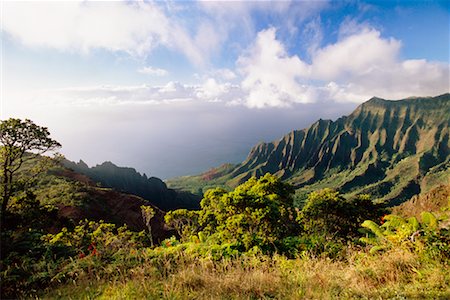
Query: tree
point(328, 213)
point(184, 221)
point(147, 215)
point(20, 141)
point(258, 213)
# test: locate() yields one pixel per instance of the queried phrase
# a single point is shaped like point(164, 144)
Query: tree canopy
point(259, 212)
point(20, 140)
point(329, 213)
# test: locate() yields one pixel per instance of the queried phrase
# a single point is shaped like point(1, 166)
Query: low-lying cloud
point(162, 138)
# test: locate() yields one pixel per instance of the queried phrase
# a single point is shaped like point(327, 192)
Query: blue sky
point(174, 88)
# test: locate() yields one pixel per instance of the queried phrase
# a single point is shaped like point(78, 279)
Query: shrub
point(258, 213)
point(422, 236)
point(327, 213)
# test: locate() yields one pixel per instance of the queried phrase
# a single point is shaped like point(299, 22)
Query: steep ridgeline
point(389, 149)
point(129, 180)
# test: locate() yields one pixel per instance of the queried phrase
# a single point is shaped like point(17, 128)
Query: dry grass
point(397, 274)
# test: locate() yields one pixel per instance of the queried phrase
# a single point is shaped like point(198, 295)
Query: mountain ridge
point(365, 148)
point(128, 180)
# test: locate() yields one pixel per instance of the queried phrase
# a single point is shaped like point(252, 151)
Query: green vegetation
point(262, 239)
point(247, 243)
point(258, 215)
point(391, 150)
point(422, 236)
point(18, 138)
point(147, 215)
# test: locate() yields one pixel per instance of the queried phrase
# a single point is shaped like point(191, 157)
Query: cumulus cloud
point(132, 27)
point(358, 66)
point(271, 75)
point(354, 56)
point(355, 68)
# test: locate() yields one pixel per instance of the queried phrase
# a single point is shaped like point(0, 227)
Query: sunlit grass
point(395, 274)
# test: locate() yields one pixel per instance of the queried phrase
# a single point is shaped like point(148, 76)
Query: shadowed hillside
point(77, 197)
point(128, 180)
point(389, 149)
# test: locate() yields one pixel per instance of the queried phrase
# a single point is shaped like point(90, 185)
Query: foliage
point(18, 138)
point(94, 238)
point(258, 213)
point(185, 222)
point(42, 259)
point(96, 259)
point(327, 213)
point(147, 215)
point(422, 236)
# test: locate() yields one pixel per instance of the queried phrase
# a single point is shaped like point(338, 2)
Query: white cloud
point(225, 74)
point(212, 90)
point(354, 56)
point(132, 27)
point(358, 66)
point(172, 92)
point(353, 69)
point(271, 76)
point(153, 71)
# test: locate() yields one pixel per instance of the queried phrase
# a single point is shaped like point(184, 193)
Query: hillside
point(77, 197)
point(63, 238)
point(130, 181)
point(389, 149)
point(437, 201)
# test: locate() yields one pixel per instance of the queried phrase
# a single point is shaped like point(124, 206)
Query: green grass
point(397, 274)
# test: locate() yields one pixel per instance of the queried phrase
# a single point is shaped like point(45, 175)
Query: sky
point(174, 88)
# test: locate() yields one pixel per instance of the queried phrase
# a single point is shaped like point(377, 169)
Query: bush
point(258, 213)
point(328, 214)
point(424, 236)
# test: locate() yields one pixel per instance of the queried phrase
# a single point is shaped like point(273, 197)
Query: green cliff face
point(389, 149)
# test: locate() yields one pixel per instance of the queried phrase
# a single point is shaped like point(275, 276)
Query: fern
point(375, 249)
point(429, 220)
point(372, 226)
point(413, 223)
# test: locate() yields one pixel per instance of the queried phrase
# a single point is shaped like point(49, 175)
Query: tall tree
point(20, 140)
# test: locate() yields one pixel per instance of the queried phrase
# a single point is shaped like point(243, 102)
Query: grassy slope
point(396, 274)
point(436, 200)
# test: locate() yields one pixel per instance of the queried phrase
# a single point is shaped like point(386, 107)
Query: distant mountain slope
point(389, 149)
point(76, 197)
point(129, 180)
point(109, 205)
